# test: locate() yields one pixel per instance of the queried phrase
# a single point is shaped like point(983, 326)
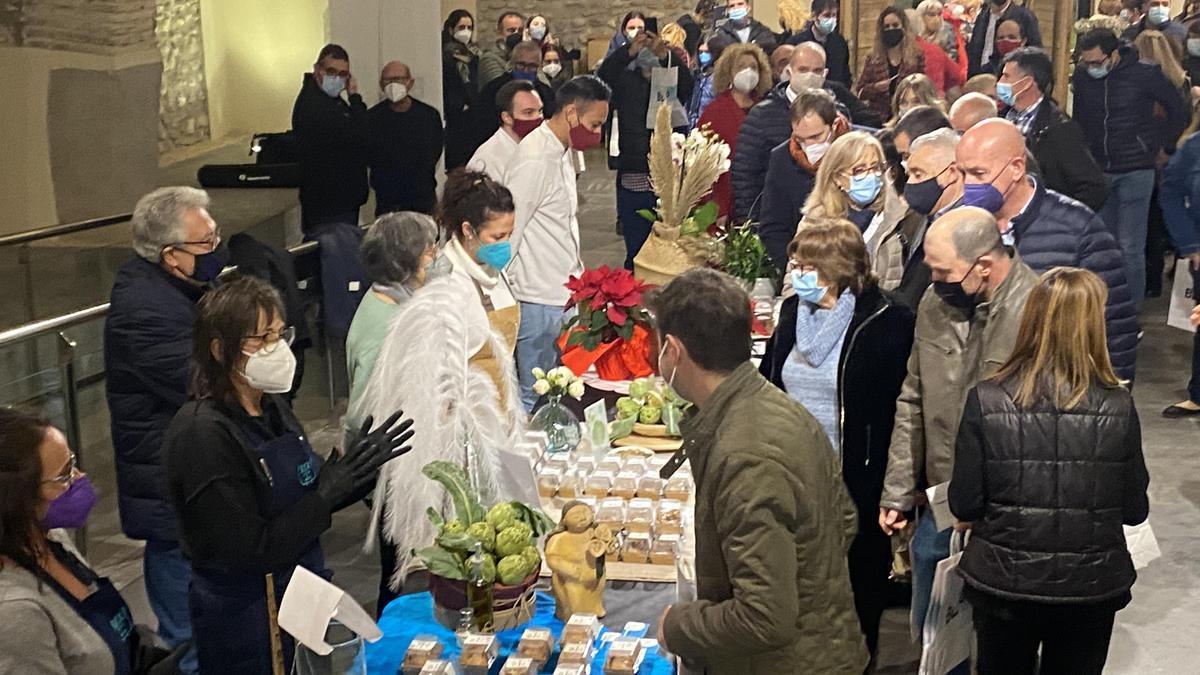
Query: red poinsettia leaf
point(617, 315)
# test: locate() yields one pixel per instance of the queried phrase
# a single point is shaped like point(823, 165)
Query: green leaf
point(442, 562)
point(626, 331)
point(706, 215)
point(648, 215)
point(537, 521)
point(599, 318)
point(621, 428)
point(457, 541)
point(590, 342)
point(452, 477)
point(576, 338)
point(435, 517)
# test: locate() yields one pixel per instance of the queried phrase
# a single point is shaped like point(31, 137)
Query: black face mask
point(893, 36)
point(923, 196)
point(952, 293)
point(208, 266)
point(512, 41)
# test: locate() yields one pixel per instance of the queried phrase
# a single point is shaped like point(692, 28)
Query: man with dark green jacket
point(773, 519)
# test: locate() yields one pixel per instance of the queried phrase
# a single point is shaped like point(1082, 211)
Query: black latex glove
point(350, 476)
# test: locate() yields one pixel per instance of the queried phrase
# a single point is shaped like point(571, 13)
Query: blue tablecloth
point(411, 615)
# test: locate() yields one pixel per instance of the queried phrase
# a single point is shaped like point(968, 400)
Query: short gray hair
point(944, 141)
point(393, 246)
point(158, 219)
point(975, 233)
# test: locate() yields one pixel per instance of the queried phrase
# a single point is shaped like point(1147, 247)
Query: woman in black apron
point(251, 495)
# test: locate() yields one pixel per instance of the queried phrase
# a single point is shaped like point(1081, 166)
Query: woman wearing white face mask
point(555, 71)
point(741, 78)
point(251, 496)
point(460, 85)
point(793, 167)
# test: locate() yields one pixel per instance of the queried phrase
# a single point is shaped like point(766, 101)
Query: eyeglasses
point(861, 172)
point(271, 339)
point(209, 243)
point(68, 477)
point(526, 66)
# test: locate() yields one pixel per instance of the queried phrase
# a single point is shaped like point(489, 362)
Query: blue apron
point(230, 623)
point(106, 612)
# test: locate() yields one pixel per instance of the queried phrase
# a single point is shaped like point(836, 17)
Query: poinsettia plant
point(608, 304)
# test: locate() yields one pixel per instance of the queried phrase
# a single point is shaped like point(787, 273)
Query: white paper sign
point(308, 605)
point(1142, 544)
point(518, 479)
point(1183, 298)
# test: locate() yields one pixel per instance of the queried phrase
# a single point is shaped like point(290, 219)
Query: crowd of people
point(963, 260)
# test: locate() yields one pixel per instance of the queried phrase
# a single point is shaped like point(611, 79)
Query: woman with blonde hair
point(895, 55)
point(1153, 45)
point(850, 184)
point(914, 90)
point(1048, 466)
point(741, 78)
point(840, 349)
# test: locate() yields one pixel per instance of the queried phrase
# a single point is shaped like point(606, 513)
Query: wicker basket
point(512, 605)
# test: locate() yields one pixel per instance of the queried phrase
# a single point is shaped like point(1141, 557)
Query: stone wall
point(183, 97)
point(576, 21)
point(90, 26)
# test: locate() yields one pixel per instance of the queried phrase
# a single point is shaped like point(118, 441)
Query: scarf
point(840, 127)
point(819, 330)
point(463, 55)
point(397, 293)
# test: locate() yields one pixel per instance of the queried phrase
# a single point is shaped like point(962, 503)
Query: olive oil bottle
point(479, 594)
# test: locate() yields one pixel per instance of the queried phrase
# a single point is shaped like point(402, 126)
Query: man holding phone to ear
point(741, 26)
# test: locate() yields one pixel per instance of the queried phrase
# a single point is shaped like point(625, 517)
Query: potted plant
point(508, 532)
point(745, 258)
point(610, 327)
point(682, 172)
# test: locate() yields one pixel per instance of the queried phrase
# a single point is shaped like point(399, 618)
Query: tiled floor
point(1155, 634)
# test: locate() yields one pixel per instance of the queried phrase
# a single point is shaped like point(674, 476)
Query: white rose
point(541, 387)
point(538, 373)
point(576, 390)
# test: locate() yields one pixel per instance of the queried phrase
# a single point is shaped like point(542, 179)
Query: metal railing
point(30, 236)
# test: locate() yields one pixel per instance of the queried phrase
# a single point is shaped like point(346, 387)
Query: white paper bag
point(310, 602)
point(939, 505)
point(664, 87)
point(949, 630)
point(1142, 544)
point(1183, 298)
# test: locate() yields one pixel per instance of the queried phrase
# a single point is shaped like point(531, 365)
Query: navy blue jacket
point(1055, 231)
point(787, 187)
point(767, 125)
point(147, 350)
point(837, 53)
point(1029, 28)
point(1117, 113)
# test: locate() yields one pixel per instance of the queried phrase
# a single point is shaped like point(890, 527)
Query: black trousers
point(1073, 638)
point(870, 561)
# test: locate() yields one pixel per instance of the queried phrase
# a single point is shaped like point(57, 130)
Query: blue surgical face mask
point(495, 255)
point(984, 195)
point(333, 85)
point(863, 190)
point(1004, 92)
point(706, 57)
point(524, 75)
point(1158, 15)
point(738, 13)
point(806, 286)
point(827, 24)
point(1098, 72)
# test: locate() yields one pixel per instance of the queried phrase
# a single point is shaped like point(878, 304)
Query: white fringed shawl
point(423, 369)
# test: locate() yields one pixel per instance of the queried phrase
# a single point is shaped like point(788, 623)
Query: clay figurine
point(575, 553)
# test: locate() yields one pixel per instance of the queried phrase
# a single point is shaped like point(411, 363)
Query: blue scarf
point(819, 330)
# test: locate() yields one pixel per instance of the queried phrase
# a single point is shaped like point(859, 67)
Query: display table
point(411, 615)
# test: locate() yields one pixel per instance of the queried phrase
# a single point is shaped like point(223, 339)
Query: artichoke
point(650, 415)
point(531, 555)
point(513, 539)
point(640, 387)
point(484, 533)
point(502, 516)
point(627, 407)
point(513, 569)
point(453, 527)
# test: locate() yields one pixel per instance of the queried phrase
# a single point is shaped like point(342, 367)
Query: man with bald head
point(406, 143)
point(780, 58)
point(1049, 229)
point(971, 109)
point(769, 122)
point(966, 327)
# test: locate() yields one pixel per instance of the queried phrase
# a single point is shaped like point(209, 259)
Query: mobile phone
point(652, 25)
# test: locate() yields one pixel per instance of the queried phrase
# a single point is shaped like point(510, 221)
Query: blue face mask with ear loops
point(495, 255)
point(806, 286)
point(863, 190)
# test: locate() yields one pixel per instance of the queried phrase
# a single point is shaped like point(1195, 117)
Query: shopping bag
point(664, 86)
point(1183, 298)
point(1142, 544)
point(949, 631)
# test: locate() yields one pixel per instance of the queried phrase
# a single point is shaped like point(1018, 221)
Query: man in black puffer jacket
point(769, 123)
point(1048, 229)
point(1115, 100)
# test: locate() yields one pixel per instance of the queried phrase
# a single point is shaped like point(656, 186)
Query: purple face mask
point(71, 508)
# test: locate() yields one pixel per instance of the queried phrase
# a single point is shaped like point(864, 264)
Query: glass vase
point(347, 657)
point(559, 423)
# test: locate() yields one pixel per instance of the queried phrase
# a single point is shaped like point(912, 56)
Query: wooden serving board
point(657, 444)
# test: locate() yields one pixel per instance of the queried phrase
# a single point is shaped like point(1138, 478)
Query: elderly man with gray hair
point(147, 348)
point(966, 327)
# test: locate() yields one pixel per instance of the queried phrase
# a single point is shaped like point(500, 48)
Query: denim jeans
point(929, 547)
point(168, 575)
point(540, 327)
point(634, 227)
point(1126, 213)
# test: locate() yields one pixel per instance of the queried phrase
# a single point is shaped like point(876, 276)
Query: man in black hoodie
point(332, 133)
